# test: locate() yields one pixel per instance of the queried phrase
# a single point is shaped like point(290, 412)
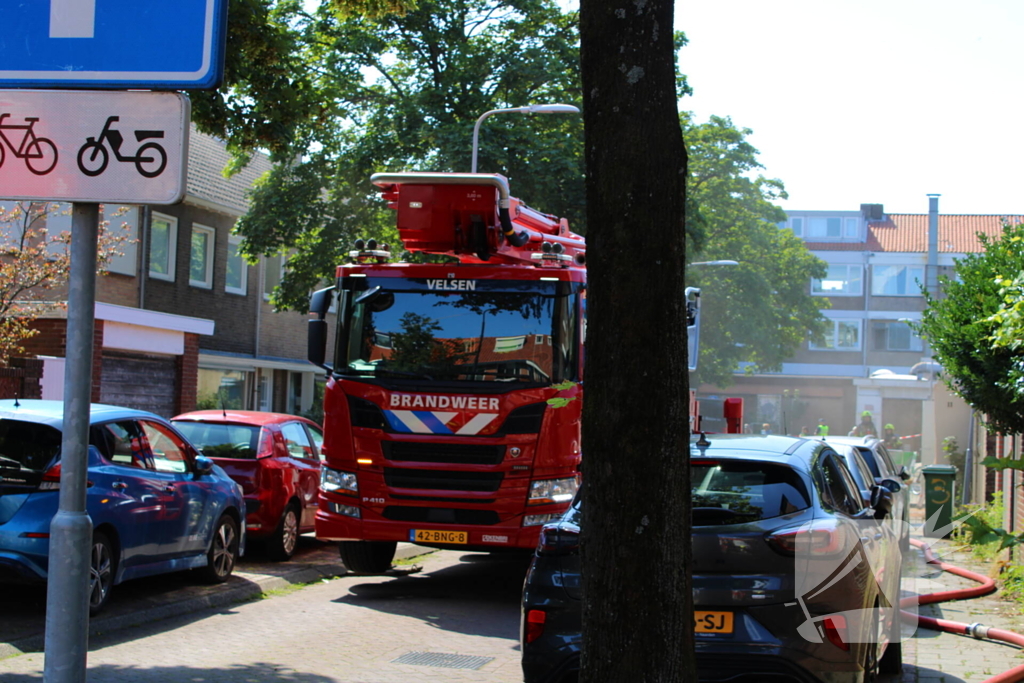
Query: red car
point(275, 458)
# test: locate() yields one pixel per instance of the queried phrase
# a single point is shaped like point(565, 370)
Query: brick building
point(180, 317)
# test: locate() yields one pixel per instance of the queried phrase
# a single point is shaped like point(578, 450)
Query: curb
point(251, 588)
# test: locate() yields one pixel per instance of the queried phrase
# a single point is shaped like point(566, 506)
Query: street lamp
point(721, 262)
point(532, 109)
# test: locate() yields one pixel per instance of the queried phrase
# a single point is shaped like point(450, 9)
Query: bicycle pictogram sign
point(40, 154)
point(150, 159)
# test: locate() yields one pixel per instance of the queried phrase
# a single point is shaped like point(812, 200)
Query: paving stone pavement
point(353, 629)
point(937, 657)
point(346, 630)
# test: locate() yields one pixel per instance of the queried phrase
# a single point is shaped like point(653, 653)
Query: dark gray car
point(794, 577)
point(895, 479)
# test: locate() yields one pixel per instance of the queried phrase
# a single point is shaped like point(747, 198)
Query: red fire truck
point(438, 427)
point(450, 416)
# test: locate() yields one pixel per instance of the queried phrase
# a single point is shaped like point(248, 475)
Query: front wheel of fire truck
point(367, 557)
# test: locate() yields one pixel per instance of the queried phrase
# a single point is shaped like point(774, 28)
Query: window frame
point(211, 240)
point(909, 282)
point(816, 283)
point(883, 328)
point(836, 322)
point(172, 246)
point(235, 241)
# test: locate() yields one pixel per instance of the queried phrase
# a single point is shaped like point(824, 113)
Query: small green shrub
point(992, 515)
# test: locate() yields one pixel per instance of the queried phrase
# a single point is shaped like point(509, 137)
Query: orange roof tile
point(958, 234)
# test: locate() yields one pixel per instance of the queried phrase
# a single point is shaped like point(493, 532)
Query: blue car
point(156, 504)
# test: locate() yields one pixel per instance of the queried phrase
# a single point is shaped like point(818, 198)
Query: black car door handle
point(119, 485)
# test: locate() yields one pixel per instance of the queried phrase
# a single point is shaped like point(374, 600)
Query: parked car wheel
point(102, 563)
point(281, 545)
point(223, 552)
point(367, 557)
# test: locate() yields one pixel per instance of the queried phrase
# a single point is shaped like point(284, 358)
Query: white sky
point(869, 101)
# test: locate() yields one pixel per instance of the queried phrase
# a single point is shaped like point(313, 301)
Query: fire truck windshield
point(458, 330)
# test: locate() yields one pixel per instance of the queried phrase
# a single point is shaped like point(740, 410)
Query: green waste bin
point(939, 498)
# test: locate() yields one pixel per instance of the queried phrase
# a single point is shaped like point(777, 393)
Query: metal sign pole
point(67, 591)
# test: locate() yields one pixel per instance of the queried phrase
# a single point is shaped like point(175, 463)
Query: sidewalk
point(934, 657)
point(170, 595)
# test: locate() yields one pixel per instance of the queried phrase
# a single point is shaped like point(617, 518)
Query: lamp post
point(720, 262)
point(532, 109)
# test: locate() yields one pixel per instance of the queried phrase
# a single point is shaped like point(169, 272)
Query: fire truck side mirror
point(316, 350)
point(316, 343)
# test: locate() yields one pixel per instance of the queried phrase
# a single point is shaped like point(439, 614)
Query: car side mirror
point(892, 485)
point(204, 466)
point(881, 501)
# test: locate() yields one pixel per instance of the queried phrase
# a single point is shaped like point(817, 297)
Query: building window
point(237, 277)
point(897, 280)
point(797, 226)
point(830, 228)
point(274, 271)
point(200, 268)
point(841, 280)
point(163, 240)
point(123, 220)
point(895, 336)
point(851, 228)
point(844, 335)
point(227, 389)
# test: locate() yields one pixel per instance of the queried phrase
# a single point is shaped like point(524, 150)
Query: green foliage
point(983, 530)
point(356, 88)
point(961, 326)
point(568, 392)
point(760, 311)
point(338, 96)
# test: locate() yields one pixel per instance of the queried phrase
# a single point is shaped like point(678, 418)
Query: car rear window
point(26, 449)
point(739, 491)
point(222, 440)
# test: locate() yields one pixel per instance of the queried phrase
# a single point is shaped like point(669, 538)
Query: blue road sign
point(114, 44)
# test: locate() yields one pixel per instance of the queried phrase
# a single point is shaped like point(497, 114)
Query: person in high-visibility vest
point(890, 439)
point(866, 426)
point(822, 427)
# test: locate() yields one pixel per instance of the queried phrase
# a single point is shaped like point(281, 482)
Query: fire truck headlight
point(545, 491)
point(336, 480)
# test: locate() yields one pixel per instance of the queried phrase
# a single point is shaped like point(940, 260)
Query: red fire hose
point(976, 630)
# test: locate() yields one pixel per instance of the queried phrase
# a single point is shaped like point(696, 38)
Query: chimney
point(932, 271)
point(872, 212)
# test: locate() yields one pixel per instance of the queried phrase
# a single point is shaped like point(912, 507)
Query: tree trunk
point(636, 549)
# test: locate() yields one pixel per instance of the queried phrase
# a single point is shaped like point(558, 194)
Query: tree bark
point(636, 548)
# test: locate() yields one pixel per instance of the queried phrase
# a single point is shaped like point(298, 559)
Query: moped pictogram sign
point(118, 44)
point(80, 146)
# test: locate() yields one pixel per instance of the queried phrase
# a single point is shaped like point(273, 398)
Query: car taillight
point(535, 620)
point(558, 539)
point(51, 479)
point(813, 538)
point(266, 447)
point(834, 627)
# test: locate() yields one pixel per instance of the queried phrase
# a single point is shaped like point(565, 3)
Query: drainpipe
point(932, 271)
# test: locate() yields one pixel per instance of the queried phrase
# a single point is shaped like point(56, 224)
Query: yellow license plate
point(712, 622)
point(436, 536)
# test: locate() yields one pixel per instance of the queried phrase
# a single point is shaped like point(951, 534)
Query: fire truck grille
point(441, 480)
point(441, 515)
point(454, 453)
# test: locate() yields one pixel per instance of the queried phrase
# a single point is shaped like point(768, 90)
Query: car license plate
point(437, 536)
point(712, 622)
